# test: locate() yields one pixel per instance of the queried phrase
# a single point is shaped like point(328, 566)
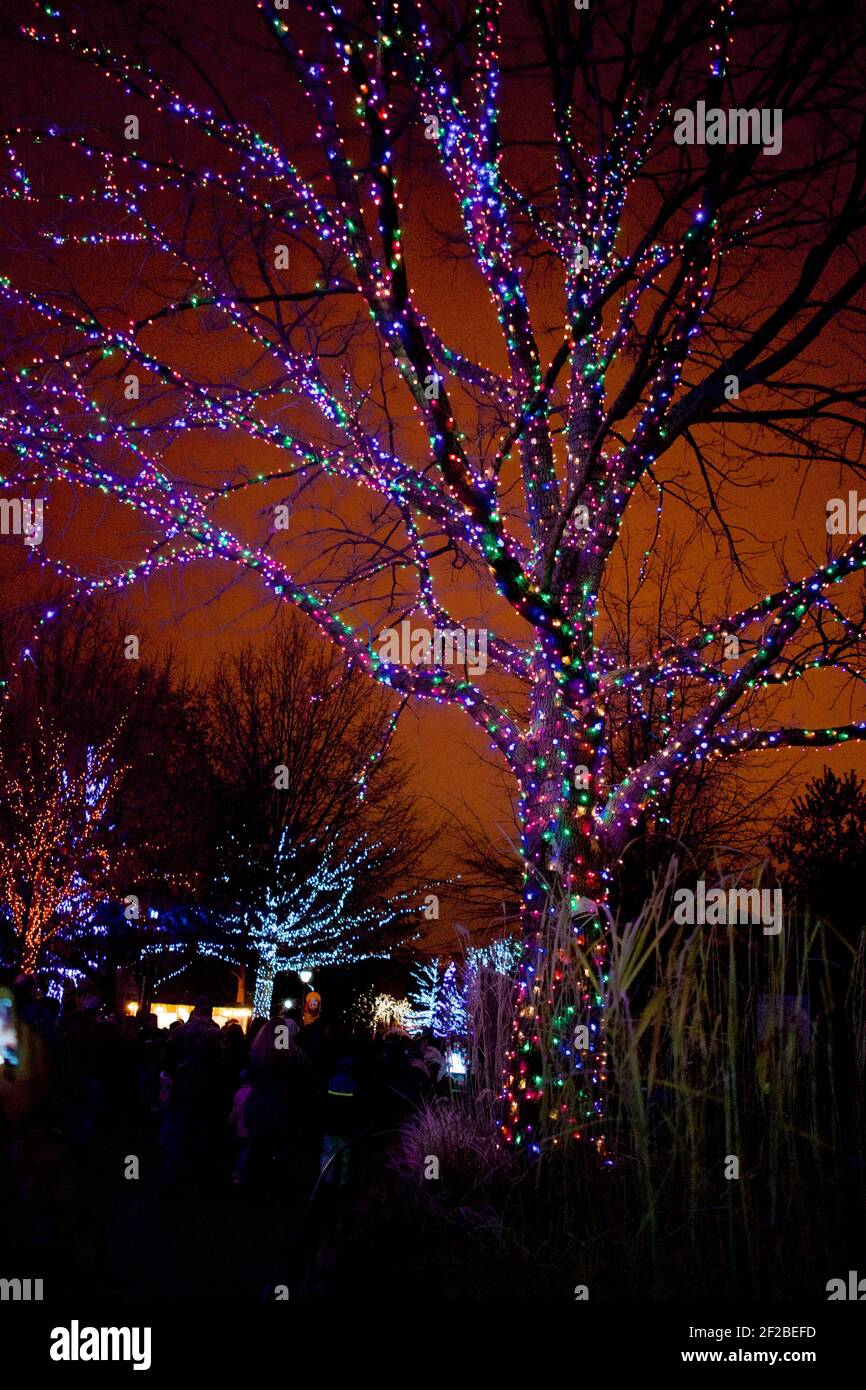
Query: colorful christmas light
point(64, 421)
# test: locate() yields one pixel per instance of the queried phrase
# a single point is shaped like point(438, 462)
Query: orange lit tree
point(55, 860)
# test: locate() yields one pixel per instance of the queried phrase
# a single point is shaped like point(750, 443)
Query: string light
point(66, 424)
point(302, 919)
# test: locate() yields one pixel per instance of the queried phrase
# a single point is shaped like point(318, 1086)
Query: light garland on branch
point(63, 422)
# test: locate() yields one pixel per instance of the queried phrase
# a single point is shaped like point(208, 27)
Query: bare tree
point(303, 751)
point(321, 842)
point(80, 679)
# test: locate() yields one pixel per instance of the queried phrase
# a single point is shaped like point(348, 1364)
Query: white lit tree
point(301, 917)
point(423, 994)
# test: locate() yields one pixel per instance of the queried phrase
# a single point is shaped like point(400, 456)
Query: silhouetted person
point(281, 1112)
point(192, 1125)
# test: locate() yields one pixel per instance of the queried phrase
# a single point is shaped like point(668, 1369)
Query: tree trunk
point(29, 952)
point(556, 1067)
point(265, 973)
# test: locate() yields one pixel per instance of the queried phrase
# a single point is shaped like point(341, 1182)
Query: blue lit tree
point(449, 1012)
point(443, 994)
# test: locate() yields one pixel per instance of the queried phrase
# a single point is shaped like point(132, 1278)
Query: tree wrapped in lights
point(501, 955)
point(388, 1012)
point(695, 290)
point(55, 839)
point(305, 918)
point(443, 993)
point(449, 1011)
point(424, 993)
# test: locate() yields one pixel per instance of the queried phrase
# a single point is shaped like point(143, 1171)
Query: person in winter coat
point(192, 1126)
point(281, 1112)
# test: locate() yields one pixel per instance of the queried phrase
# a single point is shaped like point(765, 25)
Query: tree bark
point(264, 992)
point(556, 1067)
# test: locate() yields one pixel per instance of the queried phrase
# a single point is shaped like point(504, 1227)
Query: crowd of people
point(196, 1103)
